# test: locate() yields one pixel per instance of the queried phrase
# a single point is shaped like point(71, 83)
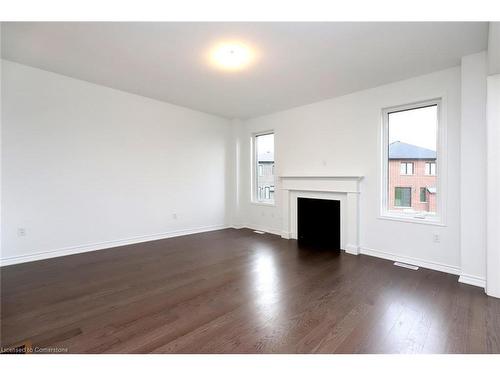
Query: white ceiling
point(299, 63)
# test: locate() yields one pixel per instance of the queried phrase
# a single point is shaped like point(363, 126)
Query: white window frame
point(254, 167)
point(440, 217)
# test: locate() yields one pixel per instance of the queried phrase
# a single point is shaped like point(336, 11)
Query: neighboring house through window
point(413, 176)
point(410, 135)
point(264, 189)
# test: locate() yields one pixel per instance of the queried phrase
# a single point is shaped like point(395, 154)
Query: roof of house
point(401, 150)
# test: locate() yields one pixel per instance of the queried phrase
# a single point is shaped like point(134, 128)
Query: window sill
point(263, 204)
point(410, 219)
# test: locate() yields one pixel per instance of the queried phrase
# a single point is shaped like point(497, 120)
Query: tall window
point(264, 168)
point(410, 148)
point(423, 195)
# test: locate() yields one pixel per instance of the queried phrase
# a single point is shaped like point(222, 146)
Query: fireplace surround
point(345, 189)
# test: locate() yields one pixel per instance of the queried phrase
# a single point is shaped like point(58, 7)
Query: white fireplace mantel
point(346, 189)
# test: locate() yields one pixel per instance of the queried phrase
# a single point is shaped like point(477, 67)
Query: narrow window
point(264, 172)
point(423, 195)
point(410, 150)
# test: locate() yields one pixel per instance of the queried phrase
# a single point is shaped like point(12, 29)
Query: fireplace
point(344, 191)
point(318, 222)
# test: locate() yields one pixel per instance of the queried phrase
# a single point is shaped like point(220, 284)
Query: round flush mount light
point(231, 56)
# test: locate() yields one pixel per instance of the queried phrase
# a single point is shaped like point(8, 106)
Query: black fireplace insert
point(318, 222)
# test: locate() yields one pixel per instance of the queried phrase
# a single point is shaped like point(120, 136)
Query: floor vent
point(259, 232)
point(406, 265)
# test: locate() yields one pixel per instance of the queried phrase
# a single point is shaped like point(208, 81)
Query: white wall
point(85, 166)
point(494, 48)
point(340, 136)
point(493, 163)
point(1, 142)
point(233, 202)
point(473, 169)
point(493, 187)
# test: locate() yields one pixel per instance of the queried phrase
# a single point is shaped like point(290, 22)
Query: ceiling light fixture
point(232, 56)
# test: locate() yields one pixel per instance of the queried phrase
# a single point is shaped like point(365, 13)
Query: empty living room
point(242, 186)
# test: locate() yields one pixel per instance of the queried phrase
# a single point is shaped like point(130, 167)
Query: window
point(402, 197)
point(430, 169)
point(264, 168)
point(406, 168)
point(410, 156)
point(423, 195)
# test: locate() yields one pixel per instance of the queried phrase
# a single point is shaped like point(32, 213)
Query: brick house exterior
point(412, 178)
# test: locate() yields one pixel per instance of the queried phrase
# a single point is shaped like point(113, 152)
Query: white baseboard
point(410, 260)
point(260, 228)
point(285, 235)
point(263, 229)
point(351, 249)
point(234, 226)
point(472, 280)
point(104, 245)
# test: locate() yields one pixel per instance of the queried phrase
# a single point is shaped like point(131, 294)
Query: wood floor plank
point(234, 291)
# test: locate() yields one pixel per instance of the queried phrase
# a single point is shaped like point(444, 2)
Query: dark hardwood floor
point(234, 291)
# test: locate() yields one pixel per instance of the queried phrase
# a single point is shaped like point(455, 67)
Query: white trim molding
point(472, 280)
point(104, 245)
point(261, 228)
point(454, 270)
point(351, 249)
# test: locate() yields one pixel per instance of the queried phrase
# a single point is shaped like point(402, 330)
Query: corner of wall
point(494, 48)
point(233, 207)
point(473, 169)
point(493, 186)
point(492, 162)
